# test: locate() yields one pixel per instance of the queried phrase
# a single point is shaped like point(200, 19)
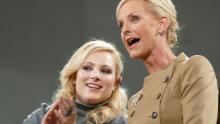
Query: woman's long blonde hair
point(116, 104)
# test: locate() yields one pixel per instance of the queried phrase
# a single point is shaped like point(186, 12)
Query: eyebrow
point(91, 63)
point(87, 62)
point(129, 15)
point(132, 13)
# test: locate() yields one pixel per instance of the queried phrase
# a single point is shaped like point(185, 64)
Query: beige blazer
point(184, 93)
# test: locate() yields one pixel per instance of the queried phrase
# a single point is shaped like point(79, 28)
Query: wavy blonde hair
point(161, 8)
point(116, 104)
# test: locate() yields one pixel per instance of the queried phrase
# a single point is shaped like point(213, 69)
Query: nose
point(95, 75)
point(125, 30)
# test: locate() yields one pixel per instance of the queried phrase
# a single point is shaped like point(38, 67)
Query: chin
point(135, 56)
point(93, 100)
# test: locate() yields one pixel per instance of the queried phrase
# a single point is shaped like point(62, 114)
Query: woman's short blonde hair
point(161, 8)
point(116, 104)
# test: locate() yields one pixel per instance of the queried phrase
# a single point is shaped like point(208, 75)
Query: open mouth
point(133, 41)
point(93, 86)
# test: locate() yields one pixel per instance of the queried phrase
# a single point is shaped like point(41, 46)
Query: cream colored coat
point(184, 93)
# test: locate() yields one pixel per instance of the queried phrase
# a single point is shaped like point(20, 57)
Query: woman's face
point(95, 80)
point(139, 28)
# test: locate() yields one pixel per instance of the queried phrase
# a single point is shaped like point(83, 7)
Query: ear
point(117, 82)
point(164, 23)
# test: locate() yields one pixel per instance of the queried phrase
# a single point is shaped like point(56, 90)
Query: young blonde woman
point(90, 90)
point(178, 89)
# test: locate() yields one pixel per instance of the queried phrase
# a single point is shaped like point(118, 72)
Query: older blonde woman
point(178, 89)
point(90, 89)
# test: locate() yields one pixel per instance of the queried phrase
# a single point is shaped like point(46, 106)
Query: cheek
point(110, 81)
point(82, 75)
point(138, 27)
point(144, 30)
point(123, 39)
point(80, 83)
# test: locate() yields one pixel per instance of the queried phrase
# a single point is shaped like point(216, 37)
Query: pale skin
point(152, 47)
point(95, 82)
point(96, 78)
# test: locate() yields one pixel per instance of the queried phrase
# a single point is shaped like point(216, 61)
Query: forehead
point(131, 6)
point(101, 57)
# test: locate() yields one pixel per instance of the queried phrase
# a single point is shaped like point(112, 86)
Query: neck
point(93, 105)
point(160, 58)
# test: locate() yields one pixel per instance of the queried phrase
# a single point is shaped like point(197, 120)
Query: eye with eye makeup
point(87, 67)
point(106, 70)
point(134, 18)
point(131, 19)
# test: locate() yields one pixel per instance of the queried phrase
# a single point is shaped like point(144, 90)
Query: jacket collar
point(164, 75)
point(181, 57)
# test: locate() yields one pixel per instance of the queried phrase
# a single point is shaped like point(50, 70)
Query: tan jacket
point(184, 93)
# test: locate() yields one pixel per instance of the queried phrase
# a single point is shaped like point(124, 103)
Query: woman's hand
point(62, 111)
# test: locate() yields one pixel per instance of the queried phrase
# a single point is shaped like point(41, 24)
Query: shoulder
point(195, 66)
point(199, 90)
point(119, 120)
point(196, 71)
point(36, 116)
point(197, 62)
